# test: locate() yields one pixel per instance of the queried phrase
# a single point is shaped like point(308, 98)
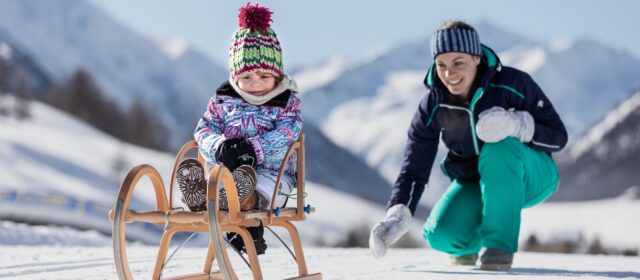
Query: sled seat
point(212, 220)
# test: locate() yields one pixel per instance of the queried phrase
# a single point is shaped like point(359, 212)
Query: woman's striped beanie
point(254, 46)
point(462, 40)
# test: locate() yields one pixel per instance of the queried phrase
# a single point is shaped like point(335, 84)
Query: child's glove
point(235, 152)
point(497, 123)
point(383, 234)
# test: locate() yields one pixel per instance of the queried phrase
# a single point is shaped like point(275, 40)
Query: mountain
point(332, 165)
point(604, 162)
point(168, 76)
point(63, 36)
point(367, 108)
point(583, 78)
point(19, 62)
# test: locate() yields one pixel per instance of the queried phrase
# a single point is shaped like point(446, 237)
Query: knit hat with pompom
point(254, 46)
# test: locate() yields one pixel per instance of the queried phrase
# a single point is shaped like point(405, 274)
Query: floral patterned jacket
point(271, 128)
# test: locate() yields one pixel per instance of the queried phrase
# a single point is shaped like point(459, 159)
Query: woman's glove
point(497, 123)
point(235, 152)
point(383, 234)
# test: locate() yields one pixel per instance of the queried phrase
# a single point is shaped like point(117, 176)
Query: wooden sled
point(213, 220)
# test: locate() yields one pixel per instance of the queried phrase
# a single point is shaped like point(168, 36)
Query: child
point(500, 130)
point(250, 122)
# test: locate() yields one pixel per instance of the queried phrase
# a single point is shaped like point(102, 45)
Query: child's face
point(257, 83)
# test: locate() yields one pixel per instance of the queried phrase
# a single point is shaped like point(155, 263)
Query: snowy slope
point(604, 162)
point(56, 169)
point(63, 36)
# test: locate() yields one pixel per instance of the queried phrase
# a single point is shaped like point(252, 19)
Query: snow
point(613, 222)
point(77, 262)
point(314, 77)
point(381, 121)
point(561, 45)
point(73, 177)
point(5, 51)
point(175, 48)
point(68, 35)
point(387, 113)
point(614, 117)
point(527, 59)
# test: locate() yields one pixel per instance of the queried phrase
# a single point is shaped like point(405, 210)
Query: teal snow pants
point(471, 215)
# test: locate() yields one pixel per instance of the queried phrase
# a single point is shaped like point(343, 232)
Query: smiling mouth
point(454, 83)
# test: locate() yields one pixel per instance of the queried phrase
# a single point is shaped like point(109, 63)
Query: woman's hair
point(455, 24)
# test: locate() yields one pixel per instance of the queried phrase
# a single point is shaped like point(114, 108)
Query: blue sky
point(311, 31)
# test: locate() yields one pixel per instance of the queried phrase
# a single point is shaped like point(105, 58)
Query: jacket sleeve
point(271, 147)
point(550, 134)
point(420, 152)
point(208, 132)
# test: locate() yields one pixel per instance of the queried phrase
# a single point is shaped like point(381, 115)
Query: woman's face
point(457, 71)
point(257, 83)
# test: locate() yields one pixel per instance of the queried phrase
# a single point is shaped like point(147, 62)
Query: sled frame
point(212, 220)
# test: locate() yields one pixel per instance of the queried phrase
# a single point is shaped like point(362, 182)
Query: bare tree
point(81, 97)
point(143, 129)
point(23, 96)
point(4, 78)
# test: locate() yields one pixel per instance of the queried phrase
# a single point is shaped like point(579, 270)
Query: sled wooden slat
point(315, 276)
point(198, 276)
point(213, 220)
point(186, 217)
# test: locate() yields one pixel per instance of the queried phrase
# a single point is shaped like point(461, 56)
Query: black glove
point(235, 152)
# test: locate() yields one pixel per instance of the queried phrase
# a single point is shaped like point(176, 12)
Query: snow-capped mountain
point(167, 75)
point(63, 36)
point(368, 107)
point(604, 162)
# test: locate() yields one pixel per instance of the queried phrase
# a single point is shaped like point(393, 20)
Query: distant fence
point(62, 210)
point(79, 206)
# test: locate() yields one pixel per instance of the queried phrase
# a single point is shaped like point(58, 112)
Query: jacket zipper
point(472, 123)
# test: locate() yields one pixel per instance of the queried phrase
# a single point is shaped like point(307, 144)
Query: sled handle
point(297, 145)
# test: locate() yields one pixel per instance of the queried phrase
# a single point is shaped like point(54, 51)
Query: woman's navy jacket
point(440, 115)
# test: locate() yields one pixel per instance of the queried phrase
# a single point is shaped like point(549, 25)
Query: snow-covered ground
point(34, 262)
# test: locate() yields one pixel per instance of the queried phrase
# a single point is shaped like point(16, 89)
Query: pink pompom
point(254, 17)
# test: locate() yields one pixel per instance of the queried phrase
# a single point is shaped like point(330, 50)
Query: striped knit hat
point(254, 46)
point(462, 40)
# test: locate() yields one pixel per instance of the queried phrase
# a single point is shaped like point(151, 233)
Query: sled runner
point(211, 220)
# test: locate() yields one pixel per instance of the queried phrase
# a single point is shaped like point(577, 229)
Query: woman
point(499, 128)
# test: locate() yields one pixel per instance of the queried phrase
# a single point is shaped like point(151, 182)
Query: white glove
point(383, 234)
point(497, 123)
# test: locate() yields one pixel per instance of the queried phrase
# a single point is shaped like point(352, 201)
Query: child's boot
point(245, 179)
point(190, 179)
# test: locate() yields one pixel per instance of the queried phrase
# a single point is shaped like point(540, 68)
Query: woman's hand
point(383, 234)
point(497, 123)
